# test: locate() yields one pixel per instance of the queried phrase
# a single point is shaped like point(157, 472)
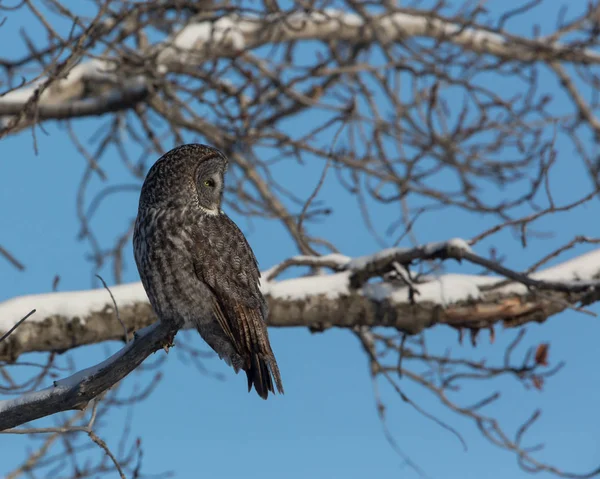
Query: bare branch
point(76, 391)
point(116, 308)
point(11, 259)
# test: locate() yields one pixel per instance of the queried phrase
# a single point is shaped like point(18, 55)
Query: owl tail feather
point(259, 375)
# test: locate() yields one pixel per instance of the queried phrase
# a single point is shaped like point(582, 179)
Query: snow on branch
point(376, 290)
point(344, 298)
point(231, 34)
point(99, 105)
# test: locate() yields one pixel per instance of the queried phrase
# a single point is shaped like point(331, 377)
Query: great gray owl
point(197, 267)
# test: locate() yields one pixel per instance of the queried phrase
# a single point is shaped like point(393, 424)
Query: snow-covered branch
point(319, 301)
point(197, 43)
point(99, 105)
point(233, 33)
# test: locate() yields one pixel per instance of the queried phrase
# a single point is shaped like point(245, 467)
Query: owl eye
point(210, 183)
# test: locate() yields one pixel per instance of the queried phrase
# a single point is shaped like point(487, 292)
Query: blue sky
point(326, 425)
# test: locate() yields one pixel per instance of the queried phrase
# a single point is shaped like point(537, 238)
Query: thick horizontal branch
point(66, 320)
point(197, 43)
point(233, 33)
point(99, 105)
point(71, 319)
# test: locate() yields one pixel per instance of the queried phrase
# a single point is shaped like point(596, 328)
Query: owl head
point(186, 176)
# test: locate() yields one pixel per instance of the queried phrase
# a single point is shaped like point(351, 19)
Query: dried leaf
point(541, 354)
point(538, 382)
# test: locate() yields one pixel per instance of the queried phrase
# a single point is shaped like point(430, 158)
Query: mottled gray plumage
point(196, 265)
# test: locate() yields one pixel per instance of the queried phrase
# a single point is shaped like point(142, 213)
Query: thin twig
point(11, 259)
point(108, 452)
point(116, 307)
point(8, 333)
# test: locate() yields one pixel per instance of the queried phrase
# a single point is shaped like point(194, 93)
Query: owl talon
point(169, 343)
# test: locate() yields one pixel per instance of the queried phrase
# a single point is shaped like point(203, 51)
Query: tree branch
point(320, 301)
point(77, 390)
point(115, 100)
point(197, 43)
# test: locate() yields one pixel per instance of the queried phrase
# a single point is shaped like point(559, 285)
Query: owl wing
point(227, 265)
